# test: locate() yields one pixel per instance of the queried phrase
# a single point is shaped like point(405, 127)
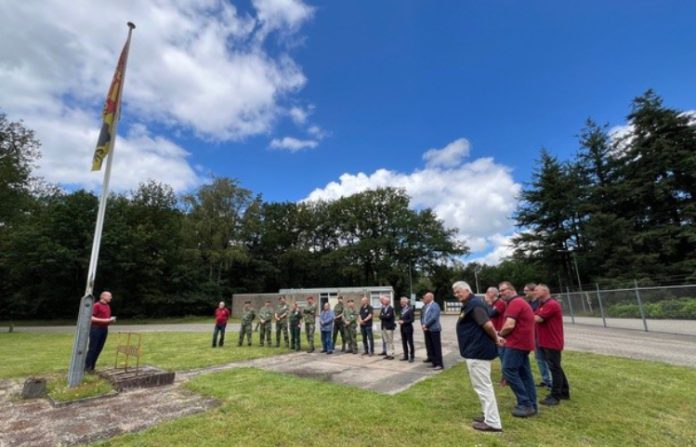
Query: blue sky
point(229, 88)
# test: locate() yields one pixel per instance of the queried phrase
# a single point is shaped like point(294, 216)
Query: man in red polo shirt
point(101, 319)
point(222, 314)
point(518, 332)
point(549, 320)
point(496, 313)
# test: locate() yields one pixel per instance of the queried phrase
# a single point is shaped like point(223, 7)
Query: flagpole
point(84, 318)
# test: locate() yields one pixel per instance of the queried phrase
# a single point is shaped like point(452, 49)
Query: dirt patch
point(37, 423)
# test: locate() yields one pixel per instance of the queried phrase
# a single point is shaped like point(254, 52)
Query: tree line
point(164, 254)
point(622, 208)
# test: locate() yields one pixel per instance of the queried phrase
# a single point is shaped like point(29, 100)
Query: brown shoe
point(482, 426)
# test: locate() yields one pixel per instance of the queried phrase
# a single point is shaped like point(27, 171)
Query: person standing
point(338, 325)
point(518, 332)
point(426, 339)
point(406, 326)
point(247, 322)
point(388, 324)
point(99, 329)
point(265, 321)
point(350, 316)
point(295, 327)
point(496, 312)
point(478, 344)
point(309, 315)
point(366, 314)
point(326, 322)
point(432, 329)
point(281, 319)
point(222, 314)
point(543, 367)
point(549, 320)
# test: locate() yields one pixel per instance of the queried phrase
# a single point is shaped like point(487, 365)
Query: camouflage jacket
point(309, 313)
point(266, 314)
point(350, 316)
point(283, 310)
point(248, 316)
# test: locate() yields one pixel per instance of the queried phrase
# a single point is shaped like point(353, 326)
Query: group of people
point(507, 325)
point(502, 325)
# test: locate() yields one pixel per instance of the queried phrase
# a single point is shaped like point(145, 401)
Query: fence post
point(640, 305)
point(570, 304)
point(601, 307)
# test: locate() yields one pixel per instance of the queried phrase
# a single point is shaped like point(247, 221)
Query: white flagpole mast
point(79, 352)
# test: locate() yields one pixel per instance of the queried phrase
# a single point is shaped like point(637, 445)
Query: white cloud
point(298, 115)
point(279, 14)
point(449, 156)
point(293, 144)
point(194, 65)
point(501, 248)
point(476, 197)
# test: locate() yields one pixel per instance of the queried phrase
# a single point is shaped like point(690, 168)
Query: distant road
point(671, 348)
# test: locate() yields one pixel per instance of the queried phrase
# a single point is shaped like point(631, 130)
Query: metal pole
point(601, 307)
point(476, 278)
point(79, 352)
point(577, 272)
point(640, 305)
point(570, 304)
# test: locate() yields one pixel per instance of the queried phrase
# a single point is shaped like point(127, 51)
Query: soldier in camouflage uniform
point(247, 321)
point(350, 317)
point(309, 314)
point(266, 319)
point(295, 327)
point(281, 319)
point(338, 325)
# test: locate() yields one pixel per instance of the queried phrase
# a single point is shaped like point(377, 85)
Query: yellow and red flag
point(112, 108)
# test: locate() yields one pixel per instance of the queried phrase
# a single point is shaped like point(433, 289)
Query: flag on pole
point(111, 111)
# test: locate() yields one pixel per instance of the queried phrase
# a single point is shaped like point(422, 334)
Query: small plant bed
point(91, 387)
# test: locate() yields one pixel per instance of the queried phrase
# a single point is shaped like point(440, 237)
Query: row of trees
point(168, 255)
point(622, 208)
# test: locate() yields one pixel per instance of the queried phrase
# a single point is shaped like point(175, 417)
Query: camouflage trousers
point(282, 326)
point(339, 329)
point(265, 333)
point(309, 330)
point(245, 330)
point(351, 338)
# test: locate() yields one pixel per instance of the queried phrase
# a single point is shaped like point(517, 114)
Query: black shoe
point(323, 351)
point(550, 401)
point(523, 412)
point(403, 359)
point(389, 357)
point(427, 361)
point(482, 426)
point(478, 418)
point(543, 384)
point(410, 360)
point(382, 353)
point(329, 352)
point(565, 397)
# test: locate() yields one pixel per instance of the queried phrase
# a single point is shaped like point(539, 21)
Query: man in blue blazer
point(432, 329)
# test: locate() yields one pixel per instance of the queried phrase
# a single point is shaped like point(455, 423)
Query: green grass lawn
point(25, 354)
point(615, 402)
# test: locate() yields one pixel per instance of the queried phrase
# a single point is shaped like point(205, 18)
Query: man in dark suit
point(387, 317)
point(406, 325)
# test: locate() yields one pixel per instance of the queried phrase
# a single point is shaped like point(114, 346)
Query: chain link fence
point(670, 309)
